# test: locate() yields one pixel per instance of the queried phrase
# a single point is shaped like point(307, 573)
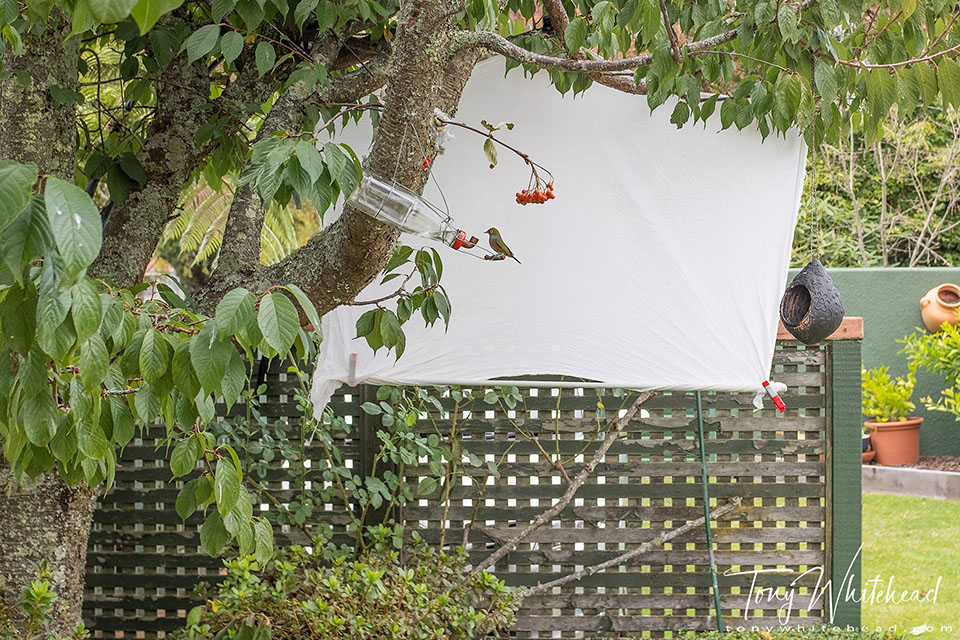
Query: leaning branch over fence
point(613, 431)
point(657, 542)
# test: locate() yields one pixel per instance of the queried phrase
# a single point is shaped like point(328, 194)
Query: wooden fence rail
point(798, 475)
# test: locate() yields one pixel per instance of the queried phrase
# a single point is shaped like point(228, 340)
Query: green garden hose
point(706, 514)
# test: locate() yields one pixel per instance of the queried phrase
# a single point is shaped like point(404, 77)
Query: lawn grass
point(916, 540)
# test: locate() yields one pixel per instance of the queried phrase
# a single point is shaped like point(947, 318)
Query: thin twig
point(893, 65)
point(489, 134)
point(657, 542)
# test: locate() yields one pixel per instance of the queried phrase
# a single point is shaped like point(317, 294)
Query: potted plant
point(894, 434)
point(867, 453)
point(938, 353)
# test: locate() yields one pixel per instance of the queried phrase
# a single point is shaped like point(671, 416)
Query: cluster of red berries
point(426, 162)
point(536, 196)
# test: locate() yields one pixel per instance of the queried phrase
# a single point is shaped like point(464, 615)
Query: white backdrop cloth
point(659, 265)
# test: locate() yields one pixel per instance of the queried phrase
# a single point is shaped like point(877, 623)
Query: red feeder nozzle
point(462, 242)
point(777, 401)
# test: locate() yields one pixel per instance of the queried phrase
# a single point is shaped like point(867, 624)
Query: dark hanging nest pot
point(811, 308)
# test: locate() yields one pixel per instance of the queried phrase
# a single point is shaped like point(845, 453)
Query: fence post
point(843, 501)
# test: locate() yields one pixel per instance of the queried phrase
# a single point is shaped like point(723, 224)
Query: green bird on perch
point(498, 245)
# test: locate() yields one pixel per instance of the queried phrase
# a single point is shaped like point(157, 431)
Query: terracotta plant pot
point(867, 456)
point(896, 443)
point(940, 305)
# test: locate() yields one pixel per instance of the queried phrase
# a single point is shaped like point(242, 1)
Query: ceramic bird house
point(405, 210)
point(811, 308)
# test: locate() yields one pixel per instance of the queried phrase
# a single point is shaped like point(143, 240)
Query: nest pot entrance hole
point(796, 304)
point(949, 296)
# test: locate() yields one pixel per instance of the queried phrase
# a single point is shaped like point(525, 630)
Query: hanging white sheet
point(659, 265)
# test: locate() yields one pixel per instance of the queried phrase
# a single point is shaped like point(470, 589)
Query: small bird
point(498, 245)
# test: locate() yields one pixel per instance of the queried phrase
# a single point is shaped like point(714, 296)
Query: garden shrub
point(327, 594)
point(819, 632)
point(33, 612)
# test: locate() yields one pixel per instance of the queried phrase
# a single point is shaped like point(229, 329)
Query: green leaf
point(147, 12)
point(303, 11)
point(789, 22)
point(209, 356)
point(94, 362)
point(201, 42)
point(826, 80)
point(39, 424)
point(371, 408)
point(234, 379)
point(147, 404)
point(206, 410)
point(226, 486)
point(213, 535)
point(85, 309)
point(234, 312)
point(279, 322)
point(110, 11)
point(132, 168)
point(184, 457)
point(239, 516)
point(366, 323)
point(427, 486)
point(336, 161)
point(154, 356)
point(391, 333)
point(16, 185)
point(490, 150)
point(680, 115)
point(263, 533)
point(231, 44)
point(948, 75)
point(575, 34)
point(830, 11)
point(306, 304)
point(123, 425)
point(187, 499)
point(26, 238)
point(266, 57)
point(310, 159)
point(75, 224)
point(220, 8)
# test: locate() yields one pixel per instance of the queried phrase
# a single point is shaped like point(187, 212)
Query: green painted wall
point(888, 300)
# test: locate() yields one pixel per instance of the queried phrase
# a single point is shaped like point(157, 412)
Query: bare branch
point(613, 432)
point(623, 558)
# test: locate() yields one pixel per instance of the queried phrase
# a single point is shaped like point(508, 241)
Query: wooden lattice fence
point(798, 475)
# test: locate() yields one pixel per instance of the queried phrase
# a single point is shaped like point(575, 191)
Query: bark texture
point(426, 72)
point(33, 126)
point(43, 521)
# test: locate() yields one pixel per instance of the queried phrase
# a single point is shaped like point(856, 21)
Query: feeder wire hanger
point(444, 213)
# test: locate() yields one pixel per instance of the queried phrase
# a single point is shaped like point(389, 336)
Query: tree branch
point(239, 260)
point(504, 47)
point(613, 432)
point(674, 47)
point(623, 558)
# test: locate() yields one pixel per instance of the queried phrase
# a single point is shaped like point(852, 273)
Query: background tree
point(133, 101)
point(889, 203)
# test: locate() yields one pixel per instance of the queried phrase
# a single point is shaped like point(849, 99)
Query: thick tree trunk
point(44, 523)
